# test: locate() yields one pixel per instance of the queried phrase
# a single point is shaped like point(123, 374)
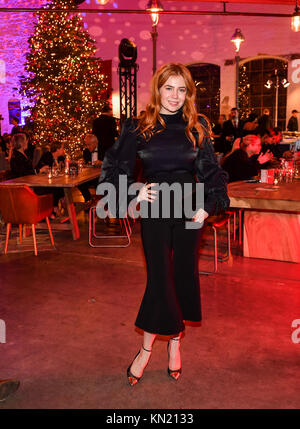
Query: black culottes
point(173, 291)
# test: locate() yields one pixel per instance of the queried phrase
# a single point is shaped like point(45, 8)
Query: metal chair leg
point(20, 233)
point(8, 226)
point(124, 222)
point(50, 231)
point(34, 239)
point(216, 257)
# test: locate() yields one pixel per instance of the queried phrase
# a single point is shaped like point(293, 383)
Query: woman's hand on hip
point(146, 193)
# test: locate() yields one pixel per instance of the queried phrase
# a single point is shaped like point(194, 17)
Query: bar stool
point(96, 240)
point(233, 212)
point(215, 223)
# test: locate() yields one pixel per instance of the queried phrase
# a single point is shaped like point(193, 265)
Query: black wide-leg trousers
point(173, 291)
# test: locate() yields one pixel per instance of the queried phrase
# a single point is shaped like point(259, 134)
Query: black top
point(105, 129)
point(239, 166)
point(20, 165)
point(292, 124)
point(48, 159)
point(167, 154)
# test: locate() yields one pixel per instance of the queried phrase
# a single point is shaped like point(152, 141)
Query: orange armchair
point(20, 205)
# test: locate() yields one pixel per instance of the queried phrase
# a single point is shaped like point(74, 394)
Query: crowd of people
point(240, 155)
point(248, 146)
point(21, 157)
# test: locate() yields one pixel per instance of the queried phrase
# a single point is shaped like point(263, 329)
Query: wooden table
point(271, 219)
point(67, 183)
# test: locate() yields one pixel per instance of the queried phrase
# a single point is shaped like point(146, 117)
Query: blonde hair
point(248, 139)
point(18, 141)
point(148, 119)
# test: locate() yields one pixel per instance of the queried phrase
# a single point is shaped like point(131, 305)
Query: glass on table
point(73, 171)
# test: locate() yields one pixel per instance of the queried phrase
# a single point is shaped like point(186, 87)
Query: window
point(207, 80)
point(254, 96)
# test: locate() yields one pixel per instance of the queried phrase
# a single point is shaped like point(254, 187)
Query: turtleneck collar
point(172, 119)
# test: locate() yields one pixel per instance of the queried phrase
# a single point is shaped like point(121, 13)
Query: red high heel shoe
point(174, 374)
point(133, 379)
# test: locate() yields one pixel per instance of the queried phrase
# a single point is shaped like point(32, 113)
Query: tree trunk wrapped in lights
point(65, 84)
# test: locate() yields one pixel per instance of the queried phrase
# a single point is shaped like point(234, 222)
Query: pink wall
point(185, 39)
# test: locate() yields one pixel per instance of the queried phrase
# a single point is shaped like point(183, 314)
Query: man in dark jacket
point(232, 129)
point(105, 129)
point(293, 121)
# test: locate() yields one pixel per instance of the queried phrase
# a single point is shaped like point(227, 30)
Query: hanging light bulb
point(268, 84)
point(237, 39)
point(102, 2)
point(295, 23)
point(285, 83)
point(154, 6)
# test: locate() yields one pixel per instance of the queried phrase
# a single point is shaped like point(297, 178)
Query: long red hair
point(148, 118)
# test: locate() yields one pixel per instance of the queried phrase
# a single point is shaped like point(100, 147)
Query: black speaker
point(127, 53)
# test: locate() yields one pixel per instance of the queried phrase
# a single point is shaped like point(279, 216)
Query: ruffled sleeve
point(215, 179)
point(120, 159)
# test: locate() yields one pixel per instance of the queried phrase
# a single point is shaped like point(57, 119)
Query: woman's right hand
point(146, 193)
point(263, 158)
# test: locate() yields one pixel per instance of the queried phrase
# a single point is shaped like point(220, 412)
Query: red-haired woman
point(173, 144)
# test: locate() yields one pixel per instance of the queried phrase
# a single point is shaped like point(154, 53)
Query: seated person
point(90, 152)
point(242, 164)
point(250, 125)
point(54, 155)
point(90, 156)
point(270, 142)
point(21, 165)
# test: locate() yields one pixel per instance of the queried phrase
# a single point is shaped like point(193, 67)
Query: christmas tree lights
point(65, 83)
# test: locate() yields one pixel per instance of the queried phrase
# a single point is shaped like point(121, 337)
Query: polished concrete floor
point(69, 316)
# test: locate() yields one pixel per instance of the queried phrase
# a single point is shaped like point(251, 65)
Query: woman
point(174, 147)
point(21, 165)
point(245, 162)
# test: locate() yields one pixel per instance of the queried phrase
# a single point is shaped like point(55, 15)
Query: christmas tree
point(65, 84)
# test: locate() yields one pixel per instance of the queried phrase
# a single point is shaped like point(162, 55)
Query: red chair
point(19, 205)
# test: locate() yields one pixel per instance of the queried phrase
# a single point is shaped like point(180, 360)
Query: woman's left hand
point(200, 216)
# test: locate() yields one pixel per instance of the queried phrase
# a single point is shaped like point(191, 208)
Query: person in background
point(264, 123)
point(105, 129)
point(16, 129)
point(55, 155)
point(90, 152)
point(217, 133)
point(90, 157)
point(293, 121)
point(21, 165)
point(232, 129)
point(242, 164)
point(250, 125)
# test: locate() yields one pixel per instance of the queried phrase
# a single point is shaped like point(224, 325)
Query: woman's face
point(172, 95)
